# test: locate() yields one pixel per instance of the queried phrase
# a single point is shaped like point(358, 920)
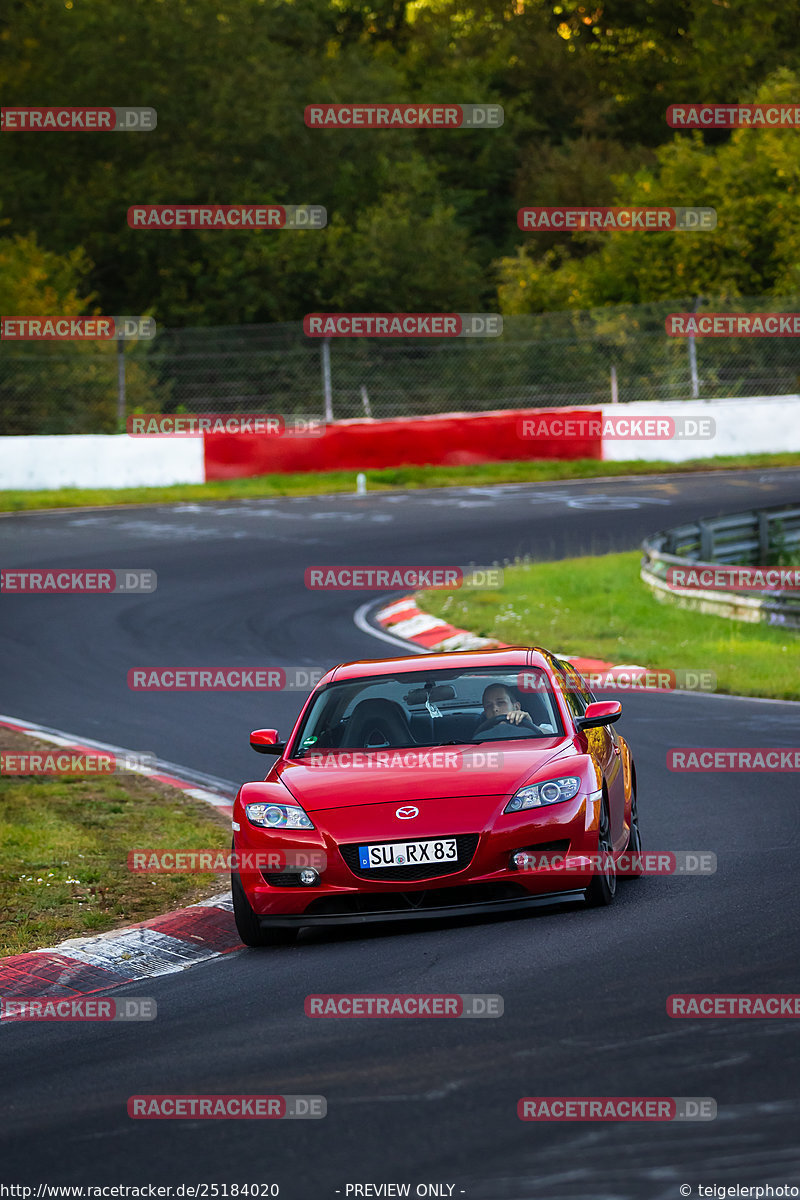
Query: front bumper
point(484, 883)
point(433, 912)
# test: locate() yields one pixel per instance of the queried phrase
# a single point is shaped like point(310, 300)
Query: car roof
point(505, 656)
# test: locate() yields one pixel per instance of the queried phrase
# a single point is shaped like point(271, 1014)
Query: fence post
point(614, 390)
point(121, 400)
point(693, 367)
point(693, 355)
point(326, 378)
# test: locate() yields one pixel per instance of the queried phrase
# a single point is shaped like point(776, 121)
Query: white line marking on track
point(218, 792)
point(360, 621)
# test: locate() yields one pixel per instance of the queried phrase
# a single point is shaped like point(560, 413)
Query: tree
point(57, 387)
point(753, 182)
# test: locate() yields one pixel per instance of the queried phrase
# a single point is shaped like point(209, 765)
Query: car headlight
point(552, 791)
point(278, 816)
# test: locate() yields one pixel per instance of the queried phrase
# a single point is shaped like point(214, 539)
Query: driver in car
point(499, 703)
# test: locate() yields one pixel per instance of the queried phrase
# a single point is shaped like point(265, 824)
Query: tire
point(635, 845)
point(603, 888)
point(247, 924)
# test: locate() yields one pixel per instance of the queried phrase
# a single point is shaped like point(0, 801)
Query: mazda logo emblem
point(407, 812)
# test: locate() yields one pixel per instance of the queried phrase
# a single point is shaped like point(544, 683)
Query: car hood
point(489, 769)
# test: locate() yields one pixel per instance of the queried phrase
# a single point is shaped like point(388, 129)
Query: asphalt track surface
point(410, 1101)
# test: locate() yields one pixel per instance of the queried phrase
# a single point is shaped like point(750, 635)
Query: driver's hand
point(518, 717)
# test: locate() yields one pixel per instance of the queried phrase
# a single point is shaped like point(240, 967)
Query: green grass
point(599, 608)
point(327, 482)
point(64, 845)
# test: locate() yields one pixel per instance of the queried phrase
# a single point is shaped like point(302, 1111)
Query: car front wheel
point(633, 868)
point(247, 923)
point(603, 887)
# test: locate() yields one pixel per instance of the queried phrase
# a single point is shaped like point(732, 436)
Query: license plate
point(408, 854)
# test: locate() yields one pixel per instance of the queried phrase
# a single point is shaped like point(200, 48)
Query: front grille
point(411, 902)
point(466, 845)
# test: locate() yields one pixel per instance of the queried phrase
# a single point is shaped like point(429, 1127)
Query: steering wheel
point(522, 730)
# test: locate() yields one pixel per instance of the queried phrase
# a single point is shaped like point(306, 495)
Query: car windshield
point(431, 708)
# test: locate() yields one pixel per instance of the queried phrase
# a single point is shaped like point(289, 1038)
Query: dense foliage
point(418, 220)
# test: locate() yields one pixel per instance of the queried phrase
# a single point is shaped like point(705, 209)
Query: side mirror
point(265, 741)
point(602, 712)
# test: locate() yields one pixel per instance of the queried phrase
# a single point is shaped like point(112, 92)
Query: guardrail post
point(763, 535)
point(706, 541)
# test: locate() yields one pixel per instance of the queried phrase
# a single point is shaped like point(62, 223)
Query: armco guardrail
point(763, 536)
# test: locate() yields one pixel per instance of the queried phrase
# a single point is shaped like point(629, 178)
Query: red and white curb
point(158, 946)
point(405, 620)
point(161, 946)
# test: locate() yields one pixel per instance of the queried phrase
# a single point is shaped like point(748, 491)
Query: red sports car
point(434, 785)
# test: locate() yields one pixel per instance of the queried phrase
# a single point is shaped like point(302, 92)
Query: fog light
point(309, 877)
point(522, 860)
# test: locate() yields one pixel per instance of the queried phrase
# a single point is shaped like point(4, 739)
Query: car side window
point(575, 691)
point(583, 691)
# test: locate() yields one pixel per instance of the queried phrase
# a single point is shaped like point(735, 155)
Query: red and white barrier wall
point(99, 461)
point(753, 425)
point(757, 424)
point(447, 439)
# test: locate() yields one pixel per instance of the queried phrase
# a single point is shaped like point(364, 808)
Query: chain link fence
point(542, 360)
